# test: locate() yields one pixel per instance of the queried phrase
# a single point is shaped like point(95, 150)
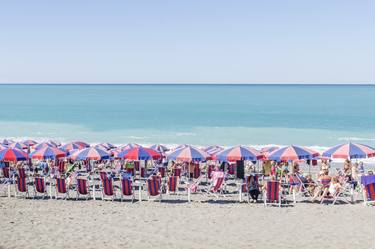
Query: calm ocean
point(312, 115)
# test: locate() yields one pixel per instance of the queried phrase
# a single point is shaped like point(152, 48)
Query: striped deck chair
point(154, 187)
point(197, 171)
point(127, 188)
point(21, 172)
point(177, 172)
point(215, 187)
point(7, 179)
point(143, 172)
point(61, 188)
point(231, 169)
point(61, 167)
point(21, 187)
point(210, 168)
point(172, 184)
point(244, 187)
point(82, 188)
point(162, 171)
point(107, 187)
point(40, 187)
point(272, 194)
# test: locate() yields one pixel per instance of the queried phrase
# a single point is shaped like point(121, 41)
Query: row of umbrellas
point(13, 151)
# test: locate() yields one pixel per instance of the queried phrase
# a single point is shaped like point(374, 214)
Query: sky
point(187, 41)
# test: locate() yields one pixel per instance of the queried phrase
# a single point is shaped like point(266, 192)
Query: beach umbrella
point(213, 149)
point(7, 141)
point(82, 144)
point(99, 146)
point(12, 155)
point(2, 147)
point(291, 153)
point(44, 144)
point(159, 147)
point(108, 146)
point(238, 153)
point(18, 145)
point(47, 153)
point(72, 146)
point(90, 154)
point(29, 142)
point(268, 149)
point(349, 151)
point(188, 153)
point(54, 143)
point(129, 146)
point(139, 153)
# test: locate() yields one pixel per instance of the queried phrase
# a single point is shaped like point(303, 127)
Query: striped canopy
point(47, 152)
point(72, 146)
point(238, 153)
point(12, 155)
point(129, 146)
point(90, 154)
point(213, 149)
point(291, 153)
point(44, 144)
point(188, 153)
point(108, 146)
point(54, 143)
point(29, 142)
point(82, 144)
point(349, 151)
point(18, 145)
point(7, 141)
point(159, 147)
point(139, 153)
point(268, 149)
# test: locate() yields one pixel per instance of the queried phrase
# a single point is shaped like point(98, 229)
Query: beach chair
point(82, 188)
point(21, 187)
point(215, 188)
point(196, 172)
point(127, 188)
point(297, 187)
point(210, 168)
point(162, 171)
point(272, 193)
point(154, 188)
point(244, 187)
point(177, 172)
point(40, 187)
point(7, 179)
point(368, 189)
point(61, 188)
point(107, 187)
point(172, 184)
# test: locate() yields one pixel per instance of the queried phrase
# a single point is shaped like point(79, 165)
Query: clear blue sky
point(220, 41)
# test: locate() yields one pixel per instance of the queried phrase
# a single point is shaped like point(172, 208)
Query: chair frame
point(132, 188)
point(36, 192)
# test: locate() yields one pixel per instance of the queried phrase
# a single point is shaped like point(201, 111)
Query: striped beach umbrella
point(54, 143)
point(18, 145)
point(129, 146)
point(237, 153)
point(268, 149)
point(90, 154)
point(44, 144)
point(29, 142)
point(12, 155)
point(291, 153)
point(349, 151)
point(159, 147)
point(7, 141)
point(82, 144)
point(108, 146)
point(47, 152)
point(99, 146)
point(213, 149)
point(139, 153)
point(72, 146)
point(188, 153)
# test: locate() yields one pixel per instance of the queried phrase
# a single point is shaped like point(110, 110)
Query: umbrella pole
point(93, 183)
point(140, 183)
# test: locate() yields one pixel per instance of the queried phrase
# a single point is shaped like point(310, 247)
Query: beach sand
point(92, 224)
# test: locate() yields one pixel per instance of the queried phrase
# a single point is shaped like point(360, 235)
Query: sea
point(312, 115)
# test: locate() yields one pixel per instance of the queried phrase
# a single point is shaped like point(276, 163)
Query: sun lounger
point(61, 188)
point(127, 188)
point(172, 184)
point(82, 188)
point(107, 186)
point(272, 193)
point(21, 187)
point(368, 189)
point(40, 187)
point(154, 187)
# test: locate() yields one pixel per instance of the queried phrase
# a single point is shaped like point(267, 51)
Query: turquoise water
point(312, 115)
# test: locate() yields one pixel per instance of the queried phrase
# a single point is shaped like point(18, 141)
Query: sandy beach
point(93, 224)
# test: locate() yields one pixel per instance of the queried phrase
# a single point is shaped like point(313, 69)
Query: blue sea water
point(312, 115)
